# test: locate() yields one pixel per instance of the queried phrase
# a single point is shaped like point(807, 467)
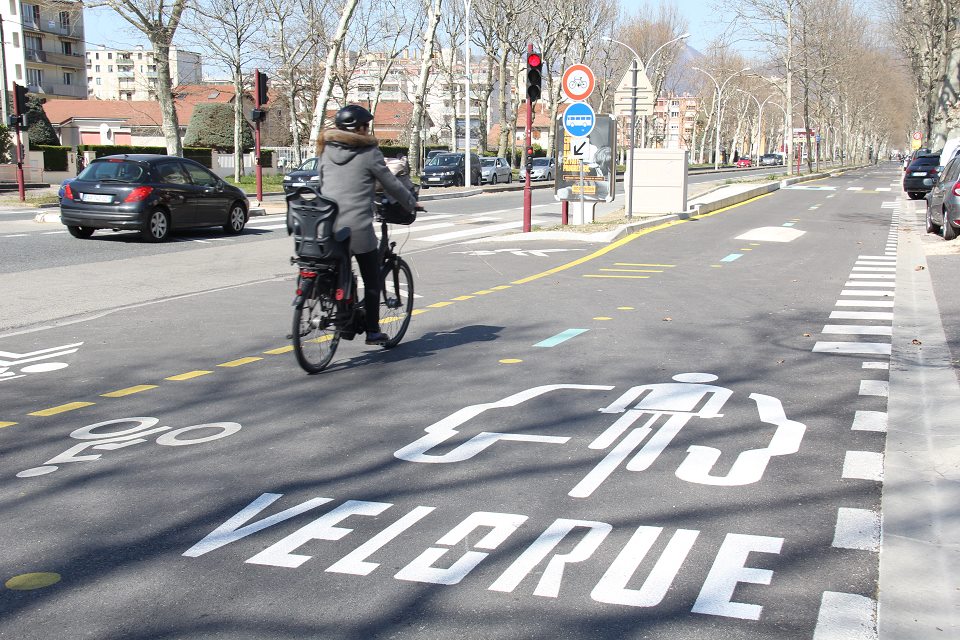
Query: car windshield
point(488, 162)
point(308, 165)
point(444, 161)
point(113, 171)
point(541, 162)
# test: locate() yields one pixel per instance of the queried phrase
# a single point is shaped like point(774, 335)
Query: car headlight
point(314, 178)
point(287, 178)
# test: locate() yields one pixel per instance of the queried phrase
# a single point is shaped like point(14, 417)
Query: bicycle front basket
point(310, 219)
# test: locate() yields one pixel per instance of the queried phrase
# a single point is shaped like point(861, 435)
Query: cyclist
point(351, 166)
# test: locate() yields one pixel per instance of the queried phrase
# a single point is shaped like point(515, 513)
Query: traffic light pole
point(258, 170)
point(528, 146)
point(19, 111)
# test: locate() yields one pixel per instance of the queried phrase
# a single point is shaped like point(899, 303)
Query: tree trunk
point(170, 125)
point(320, 112)
point(426, 64)
point(504, 104)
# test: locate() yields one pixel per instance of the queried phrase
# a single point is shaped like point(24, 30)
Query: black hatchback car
point(152, 194)
point(448, 169)
point(921, 175)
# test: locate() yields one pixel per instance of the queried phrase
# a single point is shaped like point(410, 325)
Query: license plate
point(917, 174)
point(96, 197)
point(433, 179)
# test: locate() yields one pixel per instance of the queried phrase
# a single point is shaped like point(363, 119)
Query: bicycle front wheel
point(315, 337)
point(396, 301)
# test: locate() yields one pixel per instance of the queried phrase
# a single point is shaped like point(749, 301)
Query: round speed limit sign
point(578, 82)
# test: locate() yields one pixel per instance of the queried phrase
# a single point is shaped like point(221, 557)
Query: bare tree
point(158, 21)
point(293, 32)
point(429, 37)
point(333, 53)
point(226, 29)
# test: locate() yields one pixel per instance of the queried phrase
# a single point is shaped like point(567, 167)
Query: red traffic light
point(533, 60)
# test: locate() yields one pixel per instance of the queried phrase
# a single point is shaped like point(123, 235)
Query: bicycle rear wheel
point(396, 301)
point(315, 337)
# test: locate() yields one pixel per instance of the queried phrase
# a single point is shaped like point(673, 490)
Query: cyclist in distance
point(351, 166)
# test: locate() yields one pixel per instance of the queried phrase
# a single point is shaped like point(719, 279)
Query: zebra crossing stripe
point(846, 616)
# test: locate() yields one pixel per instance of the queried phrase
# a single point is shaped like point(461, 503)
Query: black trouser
point(369, 270)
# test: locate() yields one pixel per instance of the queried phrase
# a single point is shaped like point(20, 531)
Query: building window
point(67, 78)
point(19, 71)
point(110, 56)
point(34, 77)
point(31, 14)
point(97, 68)
point(98, 82)
point(13, 7)
point(16, 40)
point(65, 20)
point(97, 54)
point(109, 68)
point(140, 56)
point(32, 43)
point(67, 47)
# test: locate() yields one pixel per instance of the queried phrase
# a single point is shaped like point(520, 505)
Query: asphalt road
point(654, 438)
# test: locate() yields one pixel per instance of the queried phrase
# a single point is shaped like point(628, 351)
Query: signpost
point(634, 96)
point(587, 167)
point(579, 120)
point(917, 140)
point(578, 82)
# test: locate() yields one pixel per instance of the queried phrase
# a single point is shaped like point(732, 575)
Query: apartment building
point(673, 121)
point(43, 47)
point(131, 74)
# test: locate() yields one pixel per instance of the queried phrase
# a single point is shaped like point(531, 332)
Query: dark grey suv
point(152, 194)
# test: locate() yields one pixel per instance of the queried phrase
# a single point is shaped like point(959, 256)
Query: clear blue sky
point(105, 27)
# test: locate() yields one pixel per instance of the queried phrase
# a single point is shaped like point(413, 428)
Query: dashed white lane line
point(861, 315)
point(863, 465)
point(857, 529)
point(879, 388)
point(870, 421)
point(846, 616)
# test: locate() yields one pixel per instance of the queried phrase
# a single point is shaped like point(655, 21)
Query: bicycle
point(327, 307)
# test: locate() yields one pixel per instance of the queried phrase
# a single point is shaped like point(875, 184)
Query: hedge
point(266, 157)
point(54, 157)
point(197, 154)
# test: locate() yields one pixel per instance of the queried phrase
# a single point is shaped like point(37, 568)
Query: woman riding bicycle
point(351, 166)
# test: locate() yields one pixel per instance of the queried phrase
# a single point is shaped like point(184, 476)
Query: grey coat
point(351, 165)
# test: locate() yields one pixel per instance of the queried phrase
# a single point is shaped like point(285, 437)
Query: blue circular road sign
point(578, 120)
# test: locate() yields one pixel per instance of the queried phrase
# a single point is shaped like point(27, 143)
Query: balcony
point(74, 61)
point(50, 89)
point(125, 75)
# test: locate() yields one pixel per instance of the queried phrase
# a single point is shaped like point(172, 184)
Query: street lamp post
point(720, 87)
point(760, 106)
point(467, 178)
point(785, 132)
point(634, 71)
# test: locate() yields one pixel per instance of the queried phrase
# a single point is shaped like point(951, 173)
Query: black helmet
point(352, 116)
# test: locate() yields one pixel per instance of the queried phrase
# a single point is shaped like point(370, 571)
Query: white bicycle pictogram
point(112, 440)
point(661, 409)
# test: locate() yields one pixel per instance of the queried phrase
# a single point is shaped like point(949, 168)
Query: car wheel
point(80, 232)
point(157, 227)
point(949, 233)
point(493, 179)
point(458, 181)
point(510, 177)
point(913, 195)
point(931, 227)
point(236, 219)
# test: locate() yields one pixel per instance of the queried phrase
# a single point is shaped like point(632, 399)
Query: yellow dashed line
point(437, 305)
point(417, 312)
point(6, 424)
point(189, 375)
point(717, 266)
point(603, 318)
point(483, 292)
point(744, 249)
point(641, 264)
point(500, 287)
point(633, 270)
point(275, 352)
point(596, 275)
point(128, 391)
point(510, 361)
point(624, 308)
point(462, 298)
point(63, 408)
point(239, 362)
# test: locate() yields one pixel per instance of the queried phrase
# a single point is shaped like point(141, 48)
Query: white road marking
point(857, 529)
point(453, 235)
point(771, 234)
point(870, 421)
point(861, 315)
point(877, 388)
point(858, 330)
point(846, 616)
point(863, 465)
point(854, 348)
point(864, 303)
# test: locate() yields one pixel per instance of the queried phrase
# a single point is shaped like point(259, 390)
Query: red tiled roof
point(139, 113)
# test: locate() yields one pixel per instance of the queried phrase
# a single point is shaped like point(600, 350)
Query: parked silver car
point(943, 202)
point(494, 170)
point(543, 169)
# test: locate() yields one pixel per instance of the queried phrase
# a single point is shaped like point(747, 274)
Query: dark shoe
point(377, 338)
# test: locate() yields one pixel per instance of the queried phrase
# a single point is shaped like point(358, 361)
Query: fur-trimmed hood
point(346, 141)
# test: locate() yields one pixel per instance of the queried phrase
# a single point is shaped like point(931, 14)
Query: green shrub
point(202, 155)
point(54, 157)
